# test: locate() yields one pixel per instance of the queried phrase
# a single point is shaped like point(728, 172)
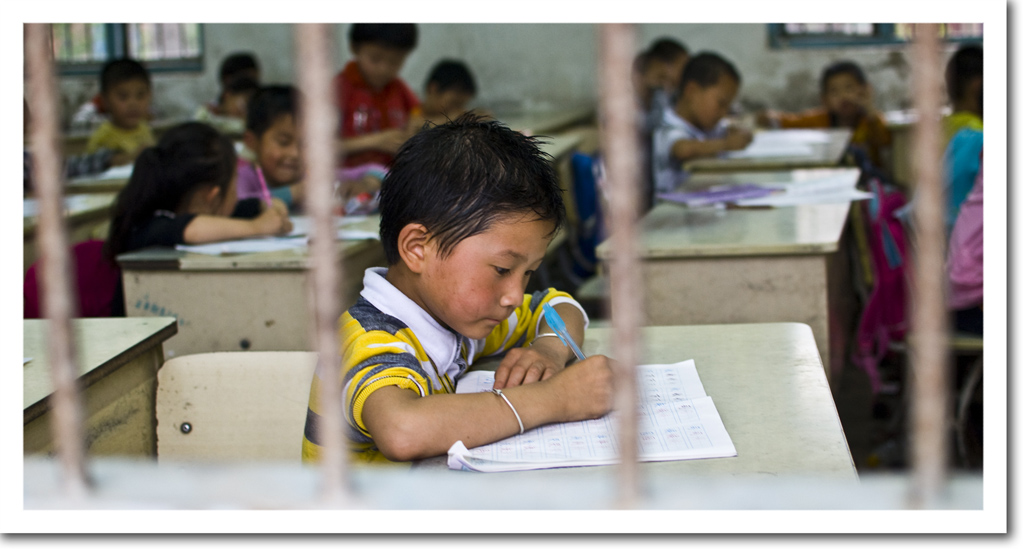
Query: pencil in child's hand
point(264, 190)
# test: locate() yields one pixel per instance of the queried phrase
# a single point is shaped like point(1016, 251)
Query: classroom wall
point(535, 65)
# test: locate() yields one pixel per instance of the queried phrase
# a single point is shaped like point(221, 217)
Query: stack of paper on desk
point(717, 195)
point(298, 238)
point(677, 420)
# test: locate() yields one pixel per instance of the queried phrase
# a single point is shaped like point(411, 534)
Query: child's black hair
point(401, 36)
point(705, 69)
point(236, 63)
point(460, 177)
point(122, 70)
point(666, 50)
point(450, 74)
point(965, 65)
point(268, 104)
point(242, 84)
point(842, 67)
point(188, 157)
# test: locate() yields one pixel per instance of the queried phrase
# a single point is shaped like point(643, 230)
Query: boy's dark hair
point(705, 69)
point(187, 157)
point(401, 36)
point(666, 50)
point(122, 70)
point(458, 178)
point(267, 105)
point(242, 84)
point(236, 63)
point(842, 67)
point(965, 65)
point(450, 74)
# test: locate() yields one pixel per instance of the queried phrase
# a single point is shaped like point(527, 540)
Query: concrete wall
point(537, 64)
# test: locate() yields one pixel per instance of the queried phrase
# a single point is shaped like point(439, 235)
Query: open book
point(677, 420)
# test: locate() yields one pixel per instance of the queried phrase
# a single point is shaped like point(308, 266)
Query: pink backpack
point(96, 282)
point(883, 319)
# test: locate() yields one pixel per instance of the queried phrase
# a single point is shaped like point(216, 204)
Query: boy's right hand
point(585, 388)
point(272, 221)
point(737, 139)
point(390, 140)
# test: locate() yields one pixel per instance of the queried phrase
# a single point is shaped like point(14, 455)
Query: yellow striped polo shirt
point(387, 339)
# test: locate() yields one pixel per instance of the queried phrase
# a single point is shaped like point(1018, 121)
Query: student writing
point(126, 94)
point(182, 191)
point(379, 111)
point(695, 128)
point(467, 212)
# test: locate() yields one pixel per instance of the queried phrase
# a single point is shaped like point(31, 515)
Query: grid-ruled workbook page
point(677, 420)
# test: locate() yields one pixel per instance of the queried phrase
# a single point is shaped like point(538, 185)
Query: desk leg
point(120, 412)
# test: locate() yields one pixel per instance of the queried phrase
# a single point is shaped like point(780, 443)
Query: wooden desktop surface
point(827, 154)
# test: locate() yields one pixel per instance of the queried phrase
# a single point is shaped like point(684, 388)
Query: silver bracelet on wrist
point(505, 398)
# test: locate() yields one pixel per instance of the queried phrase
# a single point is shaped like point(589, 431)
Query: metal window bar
point(619, 142)
point(319, 123)
point(52, 239)
point(929, 347)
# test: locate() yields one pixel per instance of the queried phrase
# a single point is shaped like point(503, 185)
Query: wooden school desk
point(787, 264)
point(87, 217)
point(546, 121)
point(118, 359)
point(238, 302)
point(767, 383)
point(825, 154)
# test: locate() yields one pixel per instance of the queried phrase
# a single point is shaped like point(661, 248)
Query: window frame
point(885, 36)
point(116, 42)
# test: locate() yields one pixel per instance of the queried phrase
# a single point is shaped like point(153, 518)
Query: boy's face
point(482, 281)
point(379, 64)
point(278, 151)
point(707, 106)
point(452, 101)
point(665, 75)
point(235, 105)
point(128, 103)
point(844, 96)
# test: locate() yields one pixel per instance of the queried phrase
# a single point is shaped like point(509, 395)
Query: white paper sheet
point(116, 172)
point(677, 420)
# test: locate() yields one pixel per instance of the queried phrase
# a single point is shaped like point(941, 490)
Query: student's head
point(126, 93)
point(467, 210)
point(844, 89)
point(707, 89)
point(380, 49)
point(664, 64)
point(449, 89)
point(964, 78)
point(239, 65)
point(190, 170)
point(272, 133)
point(234, 100)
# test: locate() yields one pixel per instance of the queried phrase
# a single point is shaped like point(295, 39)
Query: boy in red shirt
point(378, 110)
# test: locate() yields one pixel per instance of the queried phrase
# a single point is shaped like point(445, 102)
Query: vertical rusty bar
point(55, 267)
point(619, 143)
point(319, 124)
point(929, 348)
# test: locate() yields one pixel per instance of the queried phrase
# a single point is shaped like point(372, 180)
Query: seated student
point(449, 89)
point(272, 137)
point(962, 158)
point(694, 127)
point(126, 92)
point(229, 115)
point(467, 212)
point(182, 191)
point(964, 262)
point(379, 111)
point(845, 103)
point(661, 68)
point(964, 87)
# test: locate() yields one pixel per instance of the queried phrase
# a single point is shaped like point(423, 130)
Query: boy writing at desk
point(695, 128)
point(467, 212)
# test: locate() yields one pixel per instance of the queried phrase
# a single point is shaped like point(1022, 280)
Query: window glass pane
point(153, 41)
point(79, 42)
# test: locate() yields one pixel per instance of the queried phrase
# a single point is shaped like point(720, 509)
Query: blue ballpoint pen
point(558, 325)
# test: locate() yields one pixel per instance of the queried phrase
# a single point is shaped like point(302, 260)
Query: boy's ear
point(250, 140)
point(413, 247)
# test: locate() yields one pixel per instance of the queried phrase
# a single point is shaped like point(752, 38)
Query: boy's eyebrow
point(514, 255)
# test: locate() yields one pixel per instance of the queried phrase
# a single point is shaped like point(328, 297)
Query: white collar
point(440, 343)
point(672, 118)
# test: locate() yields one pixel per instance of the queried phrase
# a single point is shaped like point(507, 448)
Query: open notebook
point(677, 420)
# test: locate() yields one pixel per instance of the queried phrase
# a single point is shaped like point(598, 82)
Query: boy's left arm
point(544, 356)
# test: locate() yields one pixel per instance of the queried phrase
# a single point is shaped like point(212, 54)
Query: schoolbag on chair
point(95, 278)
